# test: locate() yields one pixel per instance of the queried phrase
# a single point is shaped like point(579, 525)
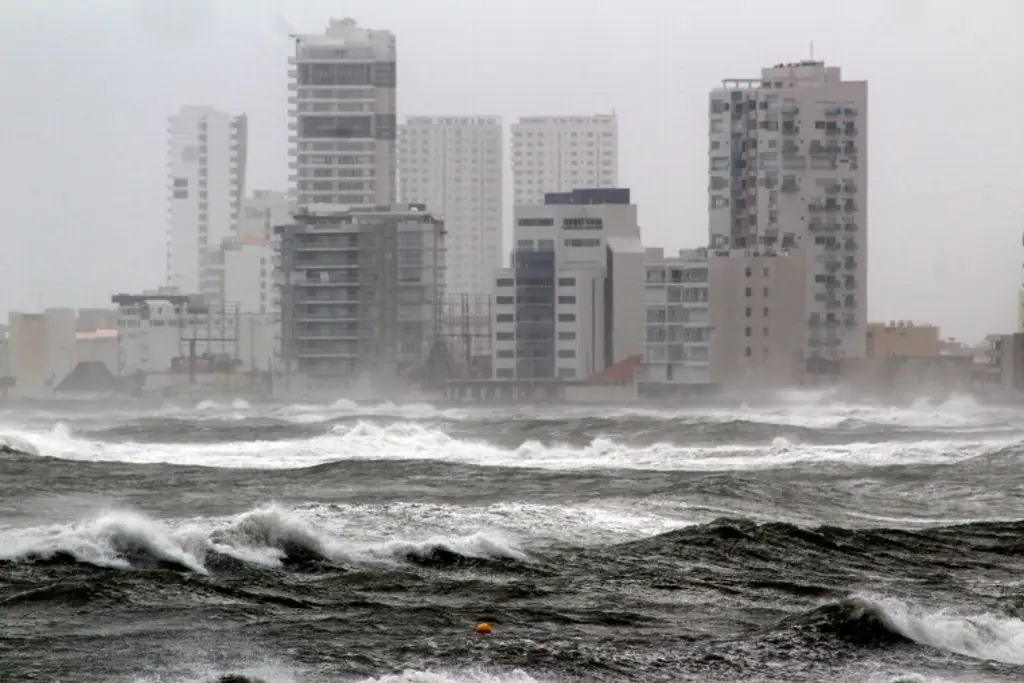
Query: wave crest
point(269, 537)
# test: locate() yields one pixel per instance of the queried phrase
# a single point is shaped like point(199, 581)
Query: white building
point(453, 165)
point(788, 168)
point(206, 182)
point(554, 318)
point(563, 153)
point(677, 313)
point(261, 212)
point(342, 109)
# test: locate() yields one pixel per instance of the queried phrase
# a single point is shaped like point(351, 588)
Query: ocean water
point(806, 541)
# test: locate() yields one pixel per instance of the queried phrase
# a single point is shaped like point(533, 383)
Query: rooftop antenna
point(812, 50)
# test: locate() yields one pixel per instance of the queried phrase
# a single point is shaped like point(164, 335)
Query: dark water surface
point(805, 542)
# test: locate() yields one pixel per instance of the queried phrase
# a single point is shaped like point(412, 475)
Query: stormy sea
point(803, 540)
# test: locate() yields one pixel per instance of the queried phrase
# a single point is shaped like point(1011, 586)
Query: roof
point(90, 376)
point(626, 244)
point(96, 334)
point(622, 371)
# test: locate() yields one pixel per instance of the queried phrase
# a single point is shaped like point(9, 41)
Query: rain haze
point(87, 88)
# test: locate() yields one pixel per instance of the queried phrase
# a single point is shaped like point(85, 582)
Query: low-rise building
point(678, 331)
point(904, 339)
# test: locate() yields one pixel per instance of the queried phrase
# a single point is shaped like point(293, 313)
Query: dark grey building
point(360, 294)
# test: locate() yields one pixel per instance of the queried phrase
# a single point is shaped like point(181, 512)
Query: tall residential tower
point(206, 183)
point(453, 165)
point(788, 170)
point(563, 153)
point(342, 108)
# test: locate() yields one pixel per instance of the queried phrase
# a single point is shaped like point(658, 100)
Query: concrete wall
point(758, 316)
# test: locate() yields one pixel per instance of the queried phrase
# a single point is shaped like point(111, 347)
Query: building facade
point(677, 324)
point(342, 106)
point(903, 339)
point(206, 182)
point(360, 294)
point(563, 153)
point(553, 308)
point(453, 166)
point(759, 334)
point(788, 168)
point(261, 211)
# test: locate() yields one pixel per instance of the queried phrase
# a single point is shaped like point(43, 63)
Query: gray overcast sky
point(87, 87)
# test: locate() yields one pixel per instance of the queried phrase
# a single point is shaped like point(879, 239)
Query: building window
point(566, 373)
point(750, 352)
point(566, 336)
point(750, 292)
point(505, 336)
point(566, 317)
point(505, 373)
point(566, 353)
point(766, 291)
point(536, 222)
point(505, 300)
point(764, 331)
point(765, 312)
point(566, 299)
point(750, 271)
point(749, 332)
point(765, 272)
point(506, 318)
point(583, 243)
point(566, 282)
point(750, 311)
point(505, 353)
point(506, 282)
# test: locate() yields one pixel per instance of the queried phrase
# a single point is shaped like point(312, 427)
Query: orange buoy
point(484, 629)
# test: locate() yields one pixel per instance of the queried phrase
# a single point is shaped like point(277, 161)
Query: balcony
point(850, 188)
point(850, 301)
point(849, 206)
point(832, 131)
point(851, 227)
point(850, 148)
point(850, 130)
point(851, 245)
point(822, 226)
point(833, 305)
point(790, 186)
point(833, 189)
point(789, 148)
point(850, 264)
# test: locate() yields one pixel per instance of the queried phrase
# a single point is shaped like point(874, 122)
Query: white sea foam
point(976, 634)
point(411, 441)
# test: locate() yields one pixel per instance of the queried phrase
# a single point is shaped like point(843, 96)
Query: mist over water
point(804, 539)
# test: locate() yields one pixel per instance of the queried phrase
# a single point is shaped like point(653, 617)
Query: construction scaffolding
point(210, 337)
point(465, 337)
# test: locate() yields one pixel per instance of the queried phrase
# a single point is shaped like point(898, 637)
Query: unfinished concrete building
point(360, 294)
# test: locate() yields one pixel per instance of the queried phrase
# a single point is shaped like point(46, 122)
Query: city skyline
point(923, 242)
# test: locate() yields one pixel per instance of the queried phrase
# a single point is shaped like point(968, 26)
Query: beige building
point(757, 317)
point(903, 339)
point(788, 168)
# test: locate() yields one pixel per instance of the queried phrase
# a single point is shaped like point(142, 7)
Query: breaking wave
point(270, 537)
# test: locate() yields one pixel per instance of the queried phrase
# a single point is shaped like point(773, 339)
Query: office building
point(788, 168)
point(558, 310)
point(206, 183)
point(453, 166)
point(563, 153)
point(360, 294)
point(342, 109)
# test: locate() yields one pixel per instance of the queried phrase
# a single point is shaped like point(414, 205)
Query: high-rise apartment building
point(342, 109)
point(453, 165)
point(563, 153)
point(206, 183)
point(788, 168)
